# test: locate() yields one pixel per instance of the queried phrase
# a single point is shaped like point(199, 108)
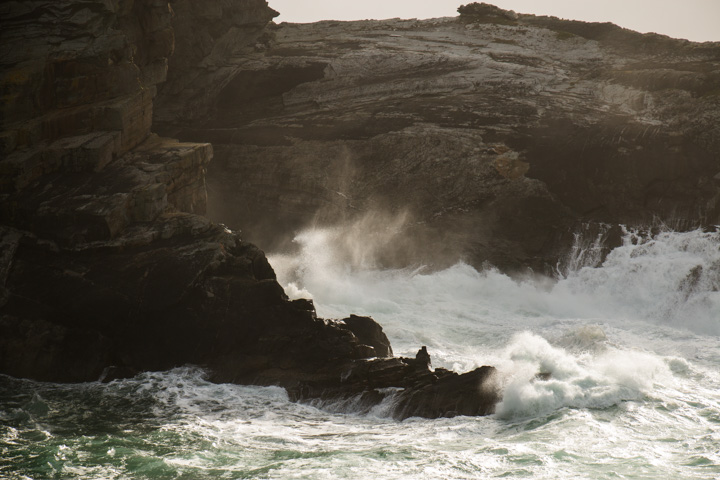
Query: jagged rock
point(473, 393)
point(35, 348)
point(370, 333)
point(413, 389)
point(212, 37)
point(423, 357)
point(70, 202)
point(184, 290)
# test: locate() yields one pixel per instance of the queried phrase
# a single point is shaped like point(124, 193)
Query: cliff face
point(104, 261)
point(494, 134)
point(80, 163)
point(213, 40)
point(88, 191)
point(107, 266)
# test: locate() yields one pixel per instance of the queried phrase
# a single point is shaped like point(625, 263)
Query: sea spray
point(590, 327)
point(592, 242)
point(629, 386)
point(541, 378)
point(671, 278)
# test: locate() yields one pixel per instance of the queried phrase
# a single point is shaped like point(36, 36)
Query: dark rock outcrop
point(107, 267)
point(496, 134)
point(408, 386)
point(368, 332)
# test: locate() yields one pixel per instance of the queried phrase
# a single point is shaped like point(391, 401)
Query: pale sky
point(697, 20)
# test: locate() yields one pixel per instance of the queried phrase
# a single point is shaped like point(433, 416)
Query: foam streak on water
point(631, 349)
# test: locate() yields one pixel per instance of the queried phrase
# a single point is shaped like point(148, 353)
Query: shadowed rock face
point(96, 211)
point(499, 133)
point(212, 40)
point(107, 266)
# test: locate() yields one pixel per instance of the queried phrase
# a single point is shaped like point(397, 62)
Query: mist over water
point(669, 280)
point(636, 330)
point(630, 344)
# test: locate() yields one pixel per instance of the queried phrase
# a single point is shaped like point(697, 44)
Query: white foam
point(576, 381)
point(632, 381)
point(469, 318)
point(672, 279)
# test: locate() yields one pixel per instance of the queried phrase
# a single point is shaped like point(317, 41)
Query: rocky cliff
point(107, 266)
point(490, 136)
point(493, 135)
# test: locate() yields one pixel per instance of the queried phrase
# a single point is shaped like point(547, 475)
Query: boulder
point(471, 394)
point(370, 333)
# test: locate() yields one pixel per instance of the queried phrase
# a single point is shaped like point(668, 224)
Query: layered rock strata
point(82, 179)
point(494, 134)
point(107, 267)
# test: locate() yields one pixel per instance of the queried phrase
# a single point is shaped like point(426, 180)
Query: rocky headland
point(494, 135)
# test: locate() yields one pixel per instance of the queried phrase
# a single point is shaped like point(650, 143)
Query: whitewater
point(630, 344)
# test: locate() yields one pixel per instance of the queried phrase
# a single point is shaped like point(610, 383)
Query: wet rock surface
point(408, 387)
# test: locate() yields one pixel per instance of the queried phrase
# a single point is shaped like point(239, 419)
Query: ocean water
point(632, 346)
